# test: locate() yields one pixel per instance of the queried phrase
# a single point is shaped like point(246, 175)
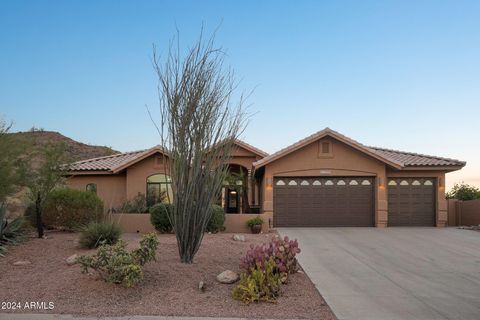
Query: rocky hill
point(33, 142)
point(39, 139)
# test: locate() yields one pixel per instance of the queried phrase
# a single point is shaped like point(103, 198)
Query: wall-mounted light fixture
point(380, 182)
point(269, 182)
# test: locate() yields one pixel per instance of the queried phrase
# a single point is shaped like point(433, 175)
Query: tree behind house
point(464, 192)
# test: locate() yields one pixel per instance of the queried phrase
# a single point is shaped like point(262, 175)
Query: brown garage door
point(323, 202)
point(411, 202)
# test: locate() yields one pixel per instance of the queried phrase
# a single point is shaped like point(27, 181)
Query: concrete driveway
point(393, 273)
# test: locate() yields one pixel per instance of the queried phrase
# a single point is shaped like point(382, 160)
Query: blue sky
point(396, 74)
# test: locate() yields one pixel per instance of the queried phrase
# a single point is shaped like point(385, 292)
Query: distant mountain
point(75, 151)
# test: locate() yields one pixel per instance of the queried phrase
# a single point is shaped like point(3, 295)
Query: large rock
point(238, 237)
point(72, 259)
point(22, 263)
point(227, 276)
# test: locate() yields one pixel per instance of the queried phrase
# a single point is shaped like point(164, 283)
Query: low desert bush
point(265, 268)
point(97, 233)
point(260, 284)
point(283, 251)
point(10, 232)
point(159, 214)
point(115, 264)
point(136, 205)
point(217, 219)
point(70, 208)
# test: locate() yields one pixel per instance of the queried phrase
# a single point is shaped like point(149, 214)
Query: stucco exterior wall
point(110, 188)
point(133, 222)
point(138, 173)
point(441, 210)
point(343, 161)
point(140, 222)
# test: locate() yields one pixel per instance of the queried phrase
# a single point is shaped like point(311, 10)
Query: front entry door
point(232, 201)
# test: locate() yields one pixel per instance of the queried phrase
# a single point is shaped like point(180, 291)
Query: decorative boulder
point(72, 259)
point(22, 263)
point(238, 237)
point(227, 276)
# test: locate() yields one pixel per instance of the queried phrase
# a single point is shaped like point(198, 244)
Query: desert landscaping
point(168, 288)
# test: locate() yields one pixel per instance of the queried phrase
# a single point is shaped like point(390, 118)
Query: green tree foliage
point(71, 208)
point(10, 169)
point(43, 180)
point(463, 191)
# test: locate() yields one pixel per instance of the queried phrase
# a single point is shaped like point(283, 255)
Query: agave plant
point(10, 232)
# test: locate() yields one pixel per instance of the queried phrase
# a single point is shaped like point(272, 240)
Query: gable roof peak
point(251, 148)
point(318, 135)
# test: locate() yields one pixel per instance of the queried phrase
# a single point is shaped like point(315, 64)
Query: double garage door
point(324, 202)
point(349, 202)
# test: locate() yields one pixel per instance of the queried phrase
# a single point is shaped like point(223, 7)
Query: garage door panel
point(411, 202)
point(328, 202)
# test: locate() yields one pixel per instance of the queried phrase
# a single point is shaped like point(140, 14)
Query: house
point(324, 180)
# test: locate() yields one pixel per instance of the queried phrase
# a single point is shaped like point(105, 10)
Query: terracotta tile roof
point(397, 159)
point(410, 159)
point(119, 161)
point(251, 148)
point(107, 163)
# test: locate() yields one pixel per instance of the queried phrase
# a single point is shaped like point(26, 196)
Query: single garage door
point(411, 202)
point(323, 202)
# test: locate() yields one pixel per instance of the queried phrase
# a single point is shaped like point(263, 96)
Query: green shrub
point(71, 208)
point(136, 205)
point(115, 264)
point(260, 284)
point(159, 214)
point(217, 219)
point(10, 232)
point(97, 233)
point(254, 221)
point(463, 192)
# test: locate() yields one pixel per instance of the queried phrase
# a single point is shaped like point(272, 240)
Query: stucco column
point(268, 197)
point(250, 187)
point(442, 206)
point(381, 213)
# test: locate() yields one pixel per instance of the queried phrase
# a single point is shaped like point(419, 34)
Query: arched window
point(159, 189)
point(92, 187)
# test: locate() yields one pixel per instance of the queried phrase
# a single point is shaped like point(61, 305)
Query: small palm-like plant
point(10, 232)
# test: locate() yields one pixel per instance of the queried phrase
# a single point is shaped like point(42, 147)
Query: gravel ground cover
point(169, 288)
